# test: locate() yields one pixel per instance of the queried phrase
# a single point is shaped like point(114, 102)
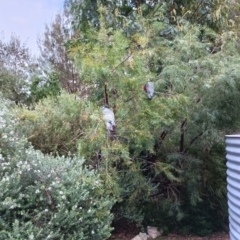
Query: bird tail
point(112, 133)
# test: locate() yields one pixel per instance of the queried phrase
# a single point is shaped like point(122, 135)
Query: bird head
point(105, 106)
point(144, 87)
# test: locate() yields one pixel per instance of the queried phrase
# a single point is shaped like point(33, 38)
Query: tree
point(213, 13)
point(15, 65)
point(84, 13)
point(54, 53)
point(168, 145)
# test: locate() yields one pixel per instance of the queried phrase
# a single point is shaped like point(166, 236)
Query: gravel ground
point(215, 236)
point(127, 231)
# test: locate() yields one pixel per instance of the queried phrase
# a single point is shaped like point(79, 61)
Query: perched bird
point(149, 89)
point(109, 118)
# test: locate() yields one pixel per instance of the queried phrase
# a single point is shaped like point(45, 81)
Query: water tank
point(233, 184)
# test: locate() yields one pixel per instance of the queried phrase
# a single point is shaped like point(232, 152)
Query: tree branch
point(182, 135)
point(192, 142)
point(162, 136)
point(105, 94)
point(192, 15)
point(124, 60)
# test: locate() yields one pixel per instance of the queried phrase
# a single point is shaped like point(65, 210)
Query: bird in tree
point(149, 89)
point(109, 118)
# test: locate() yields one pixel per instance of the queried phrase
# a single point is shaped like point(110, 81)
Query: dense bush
point(46, 197)
point(56, 123)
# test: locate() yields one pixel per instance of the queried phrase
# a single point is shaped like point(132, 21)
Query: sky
point(26, 19)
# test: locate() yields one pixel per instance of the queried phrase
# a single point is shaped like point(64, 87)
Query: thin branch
point(182, 135)
point(129, 99)
point(192, 15)
point(105, 94)
point(48, 195)
point(138, 6)
point(158, 194)
point(122, 62)
point(163, 135)
point(192, 142)
point(198, 19)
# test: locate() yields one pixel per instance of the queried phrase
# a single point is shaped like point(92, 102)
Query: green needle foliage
point(166, 164)
point(171, 144)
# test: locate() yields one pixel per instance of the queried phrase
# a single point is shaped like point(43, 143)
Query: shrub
point(41, 87)
point(56, 123)
point(46, 197)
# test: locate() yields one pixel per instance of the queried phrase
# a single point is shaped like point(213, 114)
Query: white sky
point(26, 19)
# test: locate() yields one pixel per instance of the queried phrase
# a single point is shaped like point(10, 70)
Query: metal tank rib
point(233, 184)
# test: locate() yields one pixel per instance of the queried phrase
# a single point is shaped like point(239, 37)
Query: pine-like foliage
point(166, 145)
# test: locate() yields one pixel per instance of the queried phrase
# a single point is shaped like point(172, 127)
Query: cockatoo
point(149, 89)
point(109, 118)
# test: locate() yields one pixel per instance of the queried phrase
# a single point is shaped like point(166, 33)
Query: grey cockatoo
point(149, 89)
point(109, 118)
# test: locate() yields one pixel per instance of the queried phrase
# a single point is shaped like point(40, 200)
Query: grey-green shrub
point(56, 124)
point(46, 197)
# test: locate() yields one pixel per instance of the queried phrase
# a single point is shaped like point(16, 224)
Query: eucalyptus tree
point(16, 63)
point(53, 53)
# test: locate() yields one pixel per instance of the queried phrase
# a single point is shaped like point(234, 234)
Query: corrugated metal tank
point(233, 184)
